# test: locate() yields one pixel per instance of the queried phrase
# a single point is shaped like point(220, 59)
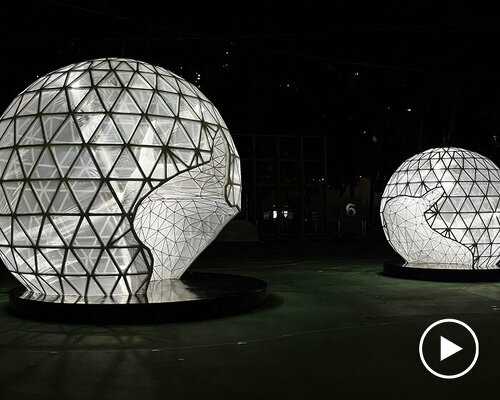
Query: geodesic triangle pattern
point(82, 148)
point(440, 208)
point(195, 226)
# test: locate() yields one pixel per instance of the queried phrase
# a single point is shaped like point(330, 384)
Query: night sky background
point(381, 80)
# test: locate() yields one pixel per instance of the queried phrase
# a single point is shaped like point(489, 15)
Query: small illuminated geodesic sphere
point(441, 209)
point(114, 173)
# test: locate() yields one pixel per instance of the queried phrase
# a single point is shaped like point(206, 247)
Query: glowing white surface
point(114, 173)
point(440, 208)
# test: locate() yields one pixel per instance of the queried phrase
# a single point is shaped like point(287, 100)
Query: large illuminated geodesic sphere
point(442, 207)
point(114, 173)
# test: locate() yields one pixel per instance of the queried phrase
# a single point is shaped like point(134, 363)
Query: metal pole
point(302, 188)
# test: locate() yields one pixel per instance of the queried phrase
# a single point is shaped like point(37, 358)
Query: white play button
point(465, 355)
point(448, 348)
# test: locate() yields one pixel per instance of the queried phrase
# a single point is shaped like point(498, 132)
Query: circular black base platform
point(398, 269)
point(197, 295)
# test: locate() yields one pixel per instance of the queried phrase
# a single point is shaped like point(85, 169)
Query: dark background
point(324, 102)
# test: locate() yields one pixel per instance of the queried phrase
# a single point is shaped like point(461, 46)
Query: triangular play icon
point(447, 348)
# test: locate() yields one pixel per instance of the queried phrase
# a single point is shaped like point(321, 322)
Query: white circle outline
point(421, 345)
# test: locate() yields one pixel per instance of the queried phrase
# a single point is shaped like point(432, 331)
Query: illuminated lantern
point(440, 210)
point(114, 174)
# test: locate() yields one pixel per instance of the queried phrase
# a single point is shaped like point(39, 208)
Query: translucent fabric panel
point(441, 207)
point(83, 149)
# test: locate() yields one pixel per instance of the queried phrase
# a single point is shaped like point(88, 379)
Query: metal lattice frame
point(114, 173)
point(442, 207)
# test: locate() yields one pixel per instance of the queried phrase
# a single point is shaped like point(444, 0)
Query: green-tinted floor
point(333, 328)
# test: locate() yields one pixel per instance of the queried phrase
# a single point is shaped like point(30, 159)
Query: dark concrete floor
point(333, 328)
